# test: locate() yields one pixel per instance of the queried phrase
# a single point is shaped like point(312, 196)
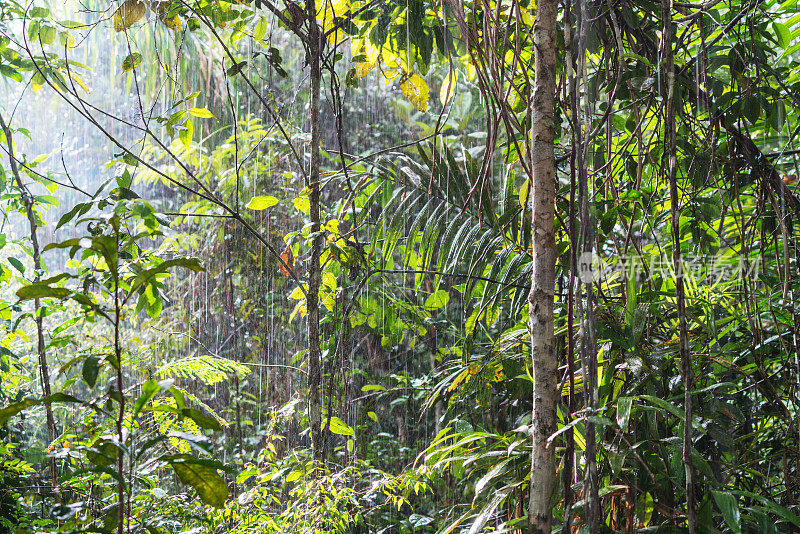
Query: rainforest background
point(395, 266)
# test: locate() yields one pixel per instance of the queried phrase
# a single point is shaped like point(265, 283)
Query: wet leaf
point(203, 113)
point(128, 13)
point(186, 134)
point(729, 507)
point(162, 9)
point(42, 290)
point(262, 203)
point(448, 87)
point(363, 68)
point(416, 90)
point(624, 411)
point(340, 427)
point(91, 367)
point(288, 259)
point(131, 62)
point(204, 478)
point(437, 300)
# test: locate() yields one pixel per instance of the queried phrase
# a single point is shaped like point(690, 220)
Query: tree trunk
point(670, 151)
point(586, 306)
point(44, 371)
point(314, 267)
point(540, 301)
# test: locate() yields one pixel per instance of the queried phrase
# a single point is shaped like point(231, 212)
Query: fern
point(462, 234)
point(207, 369)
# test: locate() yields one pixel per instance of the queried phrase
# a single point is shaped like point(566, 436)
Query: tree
point(540, 303)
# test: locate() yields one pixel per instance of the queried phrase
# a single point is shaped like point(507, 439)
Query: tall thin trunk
point(541, 299)
point(569, 450)
point(314, 268)
point(120, 422)
point(587, 306)
point(670, 150)
point(44, 371)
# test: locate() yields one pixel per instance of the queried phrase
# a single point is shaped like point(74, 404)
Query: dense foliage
point(296, 295)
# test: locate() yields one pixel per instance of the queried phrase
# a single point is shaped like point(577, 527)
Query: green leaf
point(13, 409)
point(436, 300)
point(47, 199)
point(131, 62)
point(47, 34)
point(783, 33)
point(186, 134)
point(17, 264)
point(201, 476)
point(644, 508)
point(236, 68)
point(9, 72)
point(67, 217)
point(624, 411)
point(729, 507)
point(150, 389)
point(202, 420)
point(340, 427)
point(524, 194)
point(42, 290)
point(103, 453)
point(262, 203)
point(90, 370)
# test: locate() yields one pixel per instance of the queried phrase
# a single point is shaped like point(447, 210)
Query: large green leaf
point(729, 507)
point(201, 475)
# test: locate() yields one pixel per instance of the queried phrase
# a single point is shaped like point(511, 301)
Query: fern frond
point(207, 369)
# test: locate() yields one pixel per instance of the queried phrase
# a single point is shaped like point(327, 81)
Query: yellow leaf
point(300, 308)
point(390, 75)
point(328, 300)
point(302, 204)
point(448, 87)
point(203, 113)
point(173, 23)
point(332, 226)
point(329, 281)
point(262, 203)
point(527, 17)
point(77, 79)
point(416, 90)
point(371, 51)
point(297, 294)
point(363, 68)
point(128, 13)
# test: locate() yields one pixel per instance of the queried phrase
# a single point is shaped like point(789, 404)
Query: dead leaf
point(288, 259)
point(128, 13)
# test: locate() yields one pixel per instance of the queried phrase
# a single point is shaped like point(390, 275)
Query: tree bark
point(541, 298)
point(586, 307)
point(670, 151)
point(314, 44)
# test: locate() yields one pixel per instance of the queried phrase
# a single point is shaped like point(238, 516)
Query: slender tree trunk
point(120, 422)
point(314, 268)
point(670, 151)
point(44, 371)
point(569, 447)
point(540, 301)
point(587, 307)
